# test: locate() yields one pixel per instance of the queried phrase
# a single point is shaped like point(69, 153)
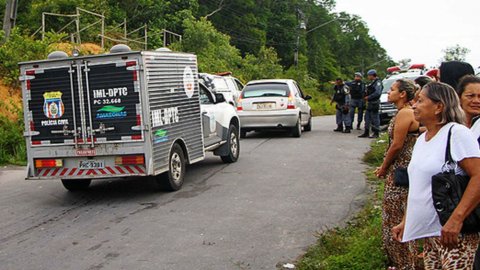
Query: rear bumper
point(71, 170)
point(270, 119)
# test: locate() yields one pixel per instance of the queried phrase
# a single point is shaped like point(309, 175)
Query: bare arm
point(403, 122)
point(469, 201)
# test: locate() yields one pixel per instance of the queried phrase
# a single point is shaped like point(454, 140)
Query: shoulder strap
point(448, 155)
point(475, 119)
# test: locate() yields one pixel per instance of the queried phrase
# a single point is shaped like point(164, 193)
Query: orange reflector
point(48, 163)
point(130, 160)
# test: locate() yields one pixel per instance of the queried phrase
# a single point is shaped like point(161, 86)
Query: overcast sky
point(420, 29)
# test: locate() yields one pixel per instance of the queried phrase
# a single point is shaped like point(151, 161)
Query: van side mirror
point(307, 97)
point(219, 98)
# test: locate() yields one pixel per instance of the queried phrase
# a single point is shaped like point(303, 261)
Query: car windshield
point(266, 90)
point(220, 85)
point(387, 83)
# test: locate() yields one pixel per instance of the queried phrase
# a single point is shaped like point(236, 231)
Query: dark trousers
point(354, 104)
point(343, 118)
point(372, 119)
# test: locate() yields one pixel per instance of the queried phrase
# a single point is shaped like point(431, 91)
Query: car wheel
point(233, 144)
point(76, 184)
point(308, 127)
point(297, 130)
point(243, 133)
point(173, 179)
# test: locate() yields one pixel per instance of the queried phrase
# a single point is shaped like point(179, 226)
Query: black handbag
point(400, 177)
point(400, 174)
point(447, 191)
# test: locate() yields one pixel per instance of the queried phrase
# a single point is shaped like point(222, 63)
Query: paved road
point(255, 214)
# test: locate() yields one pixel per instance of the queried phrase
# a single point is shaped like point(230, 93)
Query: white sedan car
point(267, 104)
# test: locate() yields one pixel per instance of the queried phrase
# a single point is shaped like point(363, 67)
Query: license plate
point(265, 106)
point(91, 164)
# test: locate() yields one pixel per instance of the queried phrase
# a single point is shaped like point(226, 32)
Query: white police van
point(120, 114)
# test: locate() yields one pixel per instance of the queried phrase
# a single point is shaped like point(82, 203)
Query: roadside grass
point(358, 245)
point(320, 103)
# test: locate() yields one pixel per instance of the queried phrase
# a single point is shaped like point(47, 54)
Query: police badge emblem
point(53, 106)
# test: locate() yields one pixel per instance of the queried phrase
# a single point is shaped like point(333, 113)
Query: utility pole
point(301, 26)
point(10, 17)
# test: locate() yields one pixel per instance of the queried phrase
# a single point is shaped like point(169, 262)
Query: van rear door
point(52, 105)
point(112, 101)
point(84, 103)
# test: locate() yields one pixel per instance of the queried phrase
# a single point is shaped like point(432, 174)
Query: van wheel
point(308, 127)
point(297, 130)
point(173, 179)
point(76, 184)
point(233, 144)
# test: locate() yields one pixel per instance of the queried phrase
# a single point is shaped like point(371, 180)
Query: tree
point(265, 65)
point(213, 49)
point(455, 53)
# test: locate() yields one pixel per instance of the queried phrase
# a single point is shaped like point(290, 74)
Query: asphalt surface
point(258, 213)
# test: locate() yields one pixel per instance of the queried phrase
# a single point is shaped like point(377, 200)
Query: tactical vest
point(357, 91)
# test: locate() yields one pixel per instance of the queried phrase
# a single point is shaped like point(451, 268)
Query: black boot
point(365, 134)
point(358, 126)
point(339, 128)
point(347, 130)
point(374, 135)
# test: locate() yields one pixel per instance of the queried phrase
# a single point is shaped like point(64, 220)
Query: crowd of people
point(435, 115)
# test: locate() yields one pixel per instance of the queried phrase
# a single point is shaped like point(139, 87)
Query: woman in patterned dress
point(402, 132)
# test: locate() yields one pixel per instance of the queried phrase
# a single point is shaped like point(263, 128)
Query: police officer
point(372, 96)
point(357, 93)
point(342, 98)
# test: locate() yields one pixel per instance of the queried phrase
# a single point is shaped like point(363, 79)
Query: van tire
point(233, 146)
point(308, 127)
point(173, 179)
point(297, 129)
point(76, 184)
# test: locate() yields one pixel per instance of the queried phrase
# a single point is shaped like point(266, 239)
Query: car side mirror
point(219, 98)
point(307, 97)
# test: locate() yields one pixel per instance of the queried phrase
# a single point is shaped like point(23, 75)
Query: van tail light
point(130, 160)
point(48, 163)
point(291, 102)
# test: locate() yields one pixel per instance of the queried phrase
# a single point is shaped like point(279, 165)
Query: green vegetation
point(358, 245)
point(12, 143)
point(20, 47)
